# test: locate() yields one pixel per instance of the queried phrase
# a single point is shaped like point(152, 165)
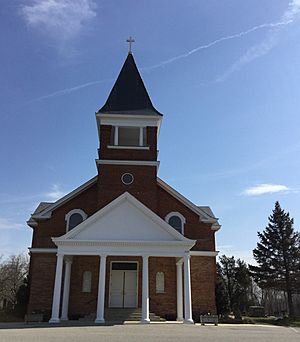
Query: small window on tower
point(129, 136)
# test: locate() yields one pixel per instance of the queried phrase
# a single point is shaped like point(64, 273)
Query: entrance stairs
point(121, 315)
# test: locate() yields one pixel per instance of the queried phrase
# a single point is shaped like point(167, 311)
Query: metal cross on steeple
point(130, 40)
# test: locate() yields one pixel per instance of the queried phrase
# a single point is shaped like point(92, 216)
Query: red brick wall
point(56, 226)
point(143, 188)
point(163, 303)
point(193, 228)
point(42, 274)
point(203, 275)
point(83, 303)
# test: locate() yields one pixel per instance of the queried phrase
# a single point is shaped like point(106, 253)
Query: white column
point(179, 290)
point(187, 290)
point(66, 294)
point(101, 290)
point(145, 294)
point(57, 289)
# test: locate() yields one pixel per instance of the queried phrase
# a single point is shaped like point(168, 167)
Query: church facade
point(125, 239)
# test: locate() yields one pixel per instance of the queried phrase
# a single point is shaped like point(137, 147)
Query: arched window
point(74, 218)
point(87, 281)
point(160, 282)
point(177, 221)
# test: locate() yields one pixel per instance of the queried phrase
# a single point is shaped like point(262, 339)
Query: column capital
point(145, 256)
point(103, 255)
point(179, 262)
point(68, 259)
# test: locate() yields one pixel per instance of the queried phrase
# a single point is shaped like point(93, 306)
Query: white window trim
point(128, 147)
point(182, 218)
point(74, 211)
point(116, 137)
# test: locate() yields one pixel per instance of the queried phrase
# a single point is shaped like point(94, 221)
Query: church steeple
point(129, 95)
point(128, 126)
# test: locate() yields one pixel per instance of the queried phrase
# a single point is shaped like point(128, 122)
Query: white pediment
point(124, 219)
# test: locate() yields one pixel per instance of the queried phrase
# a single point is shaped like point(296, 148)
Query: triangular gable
point(124, 219)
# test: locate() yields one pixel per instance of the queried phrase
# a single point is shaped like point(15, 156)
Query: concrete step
point(121, 315)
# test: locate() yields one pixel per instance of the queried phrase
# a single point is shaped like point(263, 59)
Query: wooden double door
point(123, 285)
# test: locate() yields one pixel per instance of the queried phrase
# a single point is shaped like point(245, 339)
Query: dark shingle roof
point(129, 95)
point(41, 207)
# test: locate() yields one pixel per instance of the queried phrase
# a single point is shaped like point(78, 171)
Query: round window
point(127, 178)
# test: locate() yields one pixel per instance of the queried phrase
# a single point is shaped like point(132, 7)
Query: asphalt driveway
point(153, 332)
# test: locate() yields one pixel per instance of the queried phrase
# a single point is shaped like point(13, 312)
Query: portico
point(153, 238)
point(181, 264)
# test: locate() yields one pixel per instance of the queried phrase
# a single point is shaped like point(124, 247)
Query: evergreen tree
point(221, 294)
point(236, 281)
point(278, 256)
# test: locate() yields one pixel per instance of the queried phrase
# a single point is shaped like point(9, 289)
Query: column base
point(99, 320)
point(188, 321)
point(179, 319)
point(54, 320)
point(145, 321)
point(64, 318)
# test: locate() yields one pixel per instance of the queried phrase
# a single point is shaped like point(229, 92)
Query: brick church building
point(125, 239)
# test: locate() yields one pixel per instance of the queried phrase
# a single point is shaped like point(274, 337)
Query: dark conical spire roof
point(129, 95)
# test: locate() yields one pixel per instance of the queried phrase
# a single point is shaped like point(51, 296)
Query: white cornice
point(118, 244)
point(127, 162)
point(204, 253)
point(129, 120)
point(216, 226)
point(42, 250)
point(123, 243)
point(119, 147)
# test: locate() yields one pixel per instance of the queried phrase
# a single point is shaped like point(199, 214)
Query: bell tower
point(128, 127)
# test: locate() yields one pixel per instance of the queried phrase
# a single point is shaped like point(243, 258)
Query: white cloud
point(55, 193)
point(262, 189)
point(61, 19)
point(7, 224)
point(272, 39)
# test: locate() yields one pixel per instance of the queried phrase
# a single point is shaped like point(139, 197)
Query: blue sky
point(225, 74)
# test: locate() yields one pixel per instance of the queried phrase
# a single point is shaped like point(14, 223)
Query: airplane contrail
point(287, 19)
point(218, 41)
point(69, 90)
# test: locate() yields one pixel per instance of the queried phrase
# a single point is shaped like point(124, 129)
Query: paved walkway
point(152, 332)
